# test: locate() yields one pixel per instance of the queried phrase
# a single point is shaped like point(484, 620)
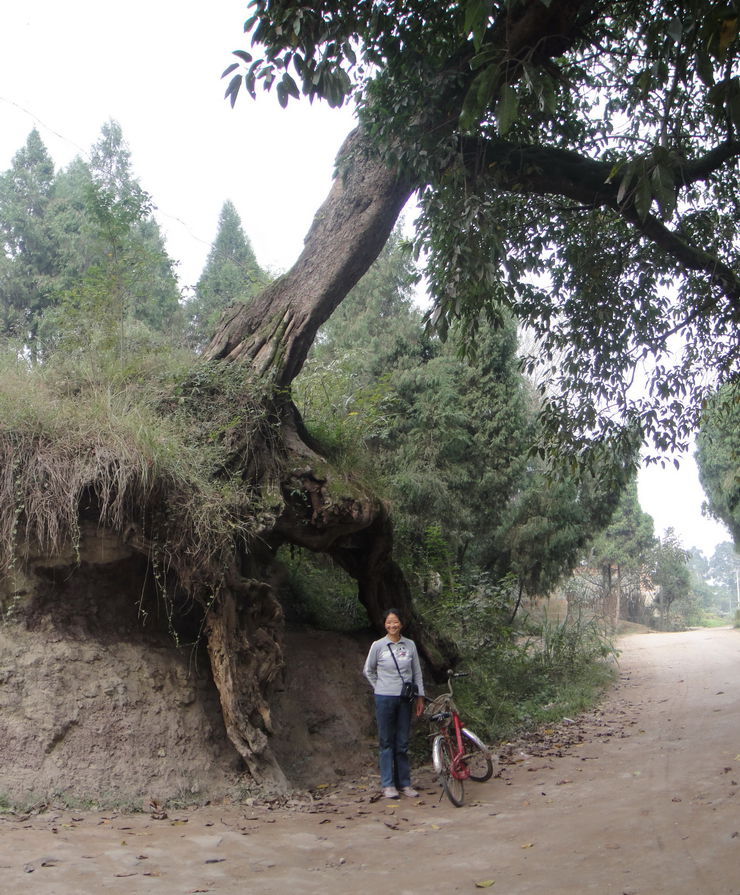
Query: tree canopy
point(718, 457)
point(576, 163)
point(447, 440)
point(83, 258)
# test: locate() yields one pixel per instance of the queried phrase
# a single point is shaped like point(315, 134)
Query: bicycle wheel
point(477, 757)
point(442, 754)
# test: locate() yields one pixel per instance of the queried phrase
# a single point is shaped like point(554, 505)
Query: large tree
point(575, 161)
point(576, 165)
point(82, 252)
point(670, 574)
point(30, 255)
point(623, 553)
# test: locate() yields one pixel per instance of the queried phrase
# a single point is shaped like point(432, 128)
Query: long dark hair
point(392, 612)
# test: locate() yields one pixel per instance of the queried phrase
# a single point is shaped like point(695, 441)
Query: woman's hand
point(419, 706)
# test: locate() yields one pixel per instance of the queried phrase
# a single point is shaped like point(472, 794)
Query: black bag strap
point(395, 662)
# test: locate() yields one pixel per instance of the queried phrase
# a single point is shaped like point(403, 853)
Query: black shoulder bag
point(409, 690)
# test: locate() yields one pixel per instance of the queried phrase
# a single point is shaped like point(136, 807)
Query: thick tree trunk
point(274, 333)
point(243, 631)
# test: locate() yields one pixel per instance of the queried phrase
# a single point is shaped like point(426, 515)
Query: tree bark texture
point(275, 331)
point(357, 532)
point(243, 632)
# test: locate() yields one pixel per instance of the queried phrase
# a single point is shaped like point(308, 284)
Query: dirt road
point(640, 797)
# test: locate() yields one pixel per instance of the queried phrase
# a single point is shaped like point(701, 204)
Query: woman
point(392, 661)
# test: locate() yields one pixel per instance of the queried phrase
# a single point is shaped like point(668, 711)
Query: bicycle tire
point(442, 755)
point(477, 757)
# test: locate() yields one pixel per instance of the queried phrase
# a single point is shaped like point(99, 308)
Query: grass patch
point(708, 620)
point(143, 448)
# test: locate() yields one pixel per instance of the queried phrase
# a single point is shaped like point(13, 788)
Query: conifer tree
point(231, 274)
point(30, 257)
point(718, 457)
point(116, 278)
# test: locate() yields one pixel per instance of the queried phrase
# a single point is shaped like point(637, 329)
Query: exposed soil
point(638, 797)
point(97, 705)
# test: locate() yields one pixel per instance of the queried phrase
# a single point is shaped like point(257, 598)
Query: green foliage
point(446, 439)
point(521, 673)
point(29, 258)
point(714, 581)
point(576, 166)
point(231, 274)
point(671, 577)
point(334, 48)
point(317, 593)
point(622, 554)
point(345, 391)
point(629, 537)
point(85, 261)
point(718, 456)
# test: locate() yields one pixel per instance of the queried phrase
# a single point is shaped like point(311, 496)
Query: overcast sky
point(155, 66)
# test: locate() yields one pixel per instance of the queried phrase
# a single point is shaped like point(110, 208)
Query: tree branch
point(544, 170)
point(701, 168)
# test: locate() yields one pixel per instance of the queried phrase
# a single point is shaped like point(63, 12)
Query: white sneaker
point(390, 792)
point(410, 792)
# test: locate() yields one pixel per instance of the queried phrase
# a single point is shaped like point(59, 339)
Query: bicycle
point(457, 753)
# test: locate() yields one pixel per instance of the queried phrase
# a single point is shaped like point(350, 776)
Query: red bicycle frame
point(459, 768)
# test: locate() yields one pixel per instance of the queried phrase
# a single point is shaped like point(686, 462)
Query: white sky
point(155, 67)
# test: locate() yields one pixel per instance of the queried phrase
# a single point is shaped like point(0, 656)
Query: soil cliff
point(99, 704)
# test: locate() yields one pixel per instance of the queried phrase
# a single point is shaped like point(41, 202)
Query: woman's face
point(393, 625)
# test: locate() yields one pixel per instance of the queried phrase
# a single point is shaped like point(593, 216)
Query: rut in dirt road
point(637, 798)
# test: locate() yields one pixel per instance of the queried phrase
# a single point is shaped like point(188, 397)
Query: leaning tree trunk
point(274, 332)
point(272, 336)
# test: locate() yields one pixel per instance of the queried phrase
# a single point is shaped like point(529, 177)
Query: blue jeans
point(393, 715)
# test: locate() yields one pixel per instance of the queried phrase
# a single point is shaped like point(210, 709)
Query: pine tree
point(30, 257)
point(231, 274)
point(116, 280)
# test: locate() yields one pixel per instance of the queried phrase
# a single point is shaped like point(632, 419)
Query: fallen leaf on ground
point(484, 884)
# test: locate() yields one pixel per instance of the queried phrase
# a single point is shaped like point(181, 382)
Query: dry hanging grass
point(134, 454)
